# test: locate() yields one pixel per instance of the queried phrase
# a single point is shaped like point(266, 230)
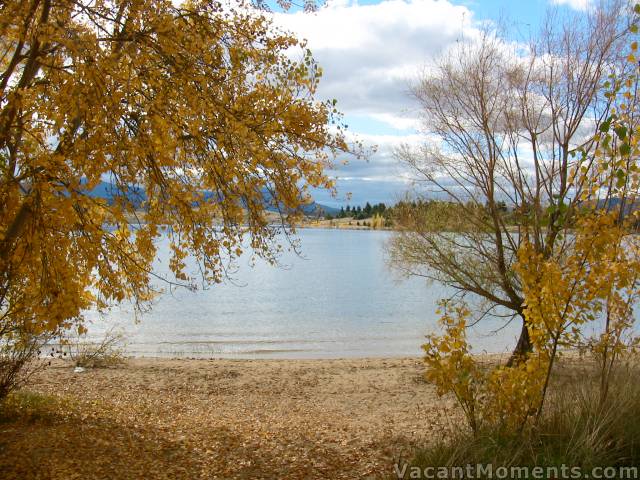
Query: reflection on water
point(340, 300)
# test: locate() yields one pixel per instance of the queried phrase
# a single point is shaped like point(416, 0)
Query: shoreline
point(275, 355)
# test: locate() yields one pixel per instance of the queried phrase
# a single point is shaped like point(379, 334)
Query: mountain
point(110, 191)
point(314, 207)
point(309, 209)
point(615, 203)
point(138, 197)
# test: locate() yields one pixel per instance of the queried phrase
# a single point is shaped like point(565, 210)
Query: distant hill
point(109, 191)
point(310, 209)
point(138, 197)
point(614, 204)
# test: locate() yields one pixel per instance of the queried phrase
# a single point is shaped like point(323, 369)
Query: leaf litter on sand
point(202, 419)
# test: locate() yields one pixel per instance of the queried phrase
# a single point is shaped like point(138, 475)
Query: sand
point(159, 418)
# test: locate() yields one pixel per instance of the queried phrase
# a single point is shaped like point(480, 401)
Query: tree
point(202, 107)
point(594, 283)
point(508, 125)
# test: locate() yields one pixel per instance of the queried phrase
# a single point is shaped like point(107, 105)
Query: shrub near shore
point(576, 431)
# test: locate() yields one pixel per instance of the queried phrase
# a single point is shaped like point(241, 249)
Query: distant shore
point(337, 223)
point(342, 224)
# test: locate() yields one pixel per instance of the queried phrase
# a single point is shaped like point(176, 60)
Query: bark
point(523, 347)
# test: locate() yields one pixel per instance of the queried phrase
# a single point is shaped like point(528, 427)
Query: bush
point(19, 360)
point(576, 430)
point(108, 352)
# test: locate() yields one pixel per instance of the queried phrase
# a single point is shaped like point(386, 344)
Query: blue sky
point(372, 50)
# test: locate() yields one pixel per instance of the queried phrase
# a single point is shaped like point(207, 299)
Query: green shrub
point(31, 406)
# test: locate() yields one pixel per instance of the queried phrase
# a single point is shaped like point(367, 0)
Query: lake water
point(339, 300)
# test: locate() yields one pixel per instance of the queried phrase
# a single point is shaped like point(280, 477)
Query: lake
point(340, 299)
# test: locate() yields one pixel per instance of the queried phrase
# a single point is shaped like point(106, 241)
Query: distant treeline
point(421, 207)
point(358, 212)
point(451, 215)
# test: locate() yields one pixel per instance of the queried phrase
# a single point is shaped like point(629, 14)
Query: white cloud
point(575, 4)
point(370, 53)
point(382, 166)
point(380, 178)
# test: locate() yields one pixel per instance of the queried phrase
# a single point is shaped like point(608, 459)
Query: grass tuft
point(32, 407)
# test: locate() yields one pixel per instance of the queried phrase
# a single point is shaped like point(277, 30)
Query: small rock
point(78, 370)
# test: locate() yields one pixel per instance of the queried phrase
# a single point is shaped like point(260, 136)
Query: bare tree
point(503, 123)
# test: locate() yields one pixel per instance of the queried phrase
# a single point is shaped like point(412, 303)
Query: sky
point(372, 51)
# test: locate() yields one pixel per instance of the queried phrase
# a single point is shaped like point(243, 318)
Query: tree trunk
point(522, 347)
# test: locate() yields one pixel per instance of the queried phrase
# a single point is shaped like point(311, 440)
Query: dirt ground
point(207, 419)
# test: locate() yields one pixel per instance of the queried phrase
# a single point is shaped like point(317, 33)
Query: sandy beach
point(202, 419)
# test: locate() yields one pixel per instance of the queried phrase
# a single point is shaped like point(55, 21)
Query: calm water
point(340, 300)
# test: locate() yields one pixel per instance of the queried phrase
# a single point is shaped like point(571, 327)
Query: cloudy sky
point(372, 50)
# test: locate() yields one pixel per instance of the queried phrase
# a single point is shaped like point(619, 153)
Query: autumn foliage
point(579, 297)
point(196, 112)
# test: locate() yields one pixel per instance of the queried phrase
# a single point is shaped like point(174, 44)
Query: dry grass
point(108, 352)
point(574, 429)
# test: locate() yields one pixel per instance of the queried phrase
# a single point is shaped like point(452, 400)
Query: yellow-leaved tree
point(195, 112)
point(579, 295)
point(578, 301)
